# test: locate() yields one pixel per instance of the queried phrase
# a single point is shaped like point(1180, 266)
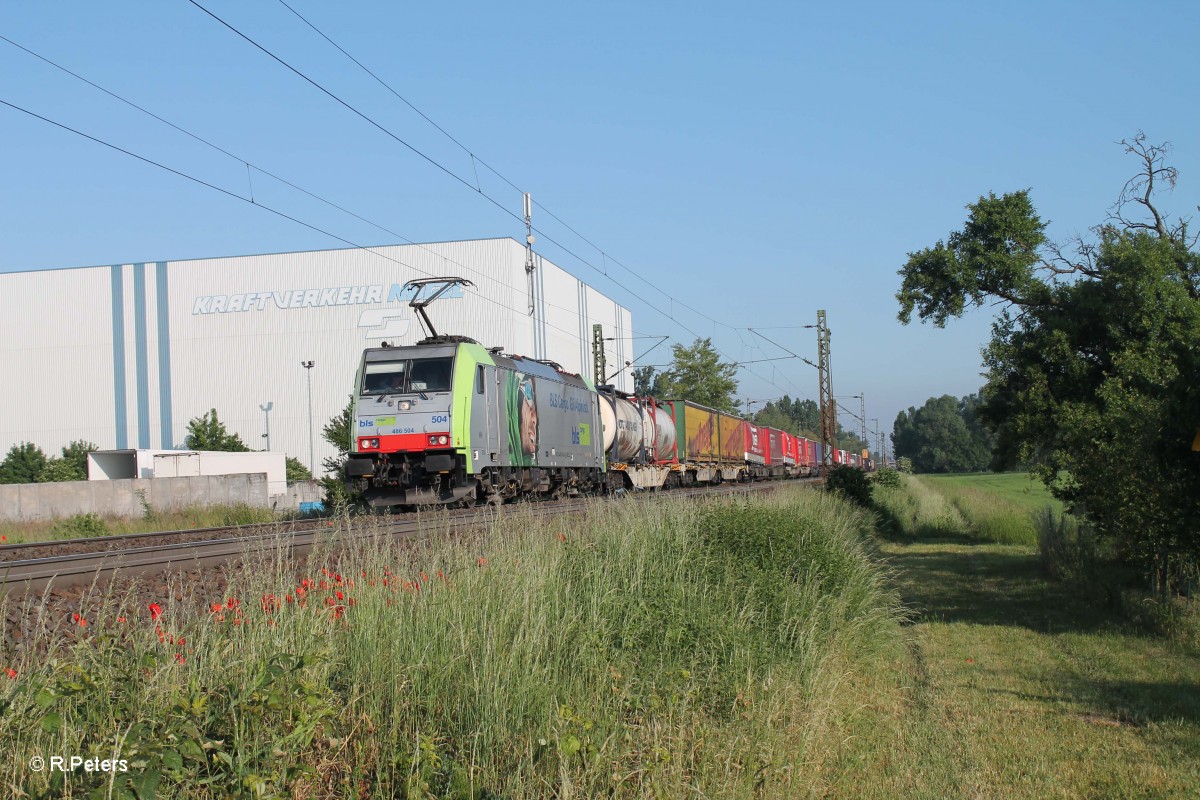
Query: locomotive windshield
point(408, 375)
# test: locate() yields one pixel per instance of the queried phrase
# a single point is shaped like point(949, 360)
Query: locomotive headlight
point(375, 443)
point(433, 440)
point(443, 440)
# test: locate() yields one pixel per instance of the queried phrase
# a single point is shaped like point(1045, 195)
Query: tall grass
point(661, 648)
point(924, 508)
point(914, 509)
point(87, 525)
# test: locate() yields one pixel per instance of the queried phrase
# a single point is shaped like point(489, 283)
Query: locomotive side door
point(496, 420)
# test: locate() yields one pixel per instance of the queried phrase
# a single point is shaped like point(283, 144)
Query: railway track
point(33, 567)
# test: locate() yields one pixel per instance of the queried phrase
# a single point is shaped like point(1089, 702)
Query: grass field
point(1008, 684)
point(1018, 488)
point(657, 648)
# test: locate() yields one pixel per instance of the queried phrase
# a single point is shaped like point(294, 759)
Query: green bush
point(81, 525)
point(850, 483)
point(887, 477)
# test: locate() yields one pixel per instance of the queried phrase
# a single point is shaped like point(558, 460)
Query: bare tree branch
point(1141, 187)
point(1057, 262)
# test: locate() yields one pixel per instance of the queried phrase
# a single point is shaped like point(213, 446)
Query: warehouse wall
point(143, 348)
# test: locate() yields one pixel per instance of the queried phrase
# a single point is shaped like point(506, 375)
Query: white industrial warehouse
point(124, 355)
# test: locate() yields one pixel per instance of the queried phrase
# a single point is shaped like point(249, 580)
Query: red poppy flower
point(78, 620)
point(10, 672)
point(216, 608)
point(179, 658)
point(155, 610)
point(481, 561)
point(121, 619)
point(233, 602)
point(339, 595)
point(3, 538)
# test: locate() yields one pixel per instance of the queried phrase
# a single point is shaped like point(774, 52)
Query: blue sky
point(784, 157)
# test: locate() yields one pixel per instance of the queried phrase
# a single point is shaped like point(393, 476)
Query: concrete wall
point(26, 502)
point(297, 493)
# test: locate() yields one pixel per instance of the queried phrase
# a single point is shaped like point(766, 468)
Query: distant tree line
point(27, 463)
point(944, 435)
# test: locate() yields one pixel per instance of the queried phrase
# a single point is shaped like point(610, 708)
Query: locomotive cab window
point(430, 375)
point(388, 376)
point(408, 376)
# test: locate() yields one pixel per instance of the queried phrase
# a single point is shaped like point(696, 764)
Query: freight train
point(450, 421)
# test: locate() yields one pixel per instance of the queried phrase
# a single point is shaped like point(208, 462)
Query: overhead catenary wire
point(444, 169)
point(248, 201)
point(252, 166)
point(606, 256)
point(440, 166)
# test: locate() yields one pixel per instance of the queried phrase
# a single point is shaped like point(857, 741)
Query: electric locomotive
point(449, 421)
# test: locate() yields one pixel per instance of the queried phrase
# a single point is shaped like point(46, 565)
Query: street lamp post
point(267, 423)
point(312, 462)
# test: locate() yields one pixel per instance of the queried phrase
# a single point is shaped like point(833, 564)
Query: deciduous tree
point(206, 432)
point(1093, 364)
point(942, 436)
point(23, 464)
point(698, 374)
point(72, 466)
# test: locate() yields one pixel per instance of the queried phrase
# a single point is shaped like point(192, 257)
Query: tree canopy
point(944, 435)
point(72, 466)
point(24, 463)
point(697, 373)
point(206, 432)
point(1092, 366)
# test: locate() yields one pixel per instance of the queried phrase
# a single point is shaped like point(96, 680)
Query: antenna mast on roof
point(529, 248)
